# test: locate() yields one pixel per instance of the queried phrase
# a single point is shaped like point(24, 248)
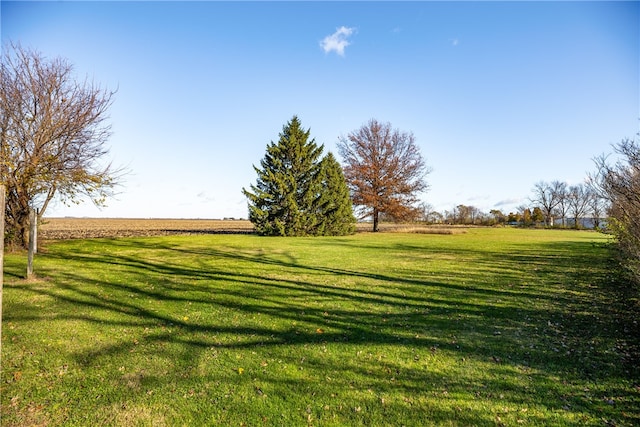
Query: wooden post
point(2, 203)
point(33, 225)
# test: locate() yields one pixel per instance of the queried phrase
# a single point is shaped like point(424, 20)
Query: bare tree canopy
point(562, 208)
point(53, 132)
point(548, 196)
point(578, 198)
point(385, 171)
point(619, 184)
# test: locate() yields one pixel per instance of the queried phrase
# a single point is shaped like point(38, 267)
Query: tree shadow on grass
point(418, 312)
point(507, 322)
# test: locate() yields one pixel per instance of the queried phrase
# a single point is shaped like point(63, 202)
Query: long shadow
point(419, 313)
point(409, 310)
point(370, 294)
point(264, 258)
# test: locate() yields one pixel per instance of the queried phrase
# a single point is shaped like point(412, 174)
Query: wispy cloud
point(204, 197)
point(455, 42)
point(509, 202)
point(337, 41)
point(480, 198)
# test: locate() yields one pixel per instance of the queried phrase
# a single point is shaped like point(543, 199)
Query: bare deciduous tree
point(547, 195)
point(385, 171)
point(597, 206)
point(578, 197)
point(52, 137)
point(619, 184)
point(562, 208)
point(468, 215)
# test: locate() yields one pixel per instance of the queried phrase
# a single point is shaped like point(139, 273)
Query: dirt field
point(82, 228)
point(85, 228)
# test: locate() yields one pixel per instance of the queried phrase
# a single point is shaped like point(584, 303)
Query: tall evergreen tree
point(333, 205)
point(282, 201)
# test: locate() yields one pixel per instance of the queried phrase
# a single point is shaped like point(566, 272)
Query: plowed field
point(86, 228)
point(82, 228)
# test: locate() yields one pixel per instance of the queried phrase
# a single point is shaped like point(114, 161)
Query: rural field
point(486, 327)
point(82, 228)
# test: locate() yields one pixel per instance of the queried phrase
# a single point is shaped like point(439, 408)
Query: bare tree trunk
point(34, 230)
point(2, 208)
point(375, 220)
point(33, 225)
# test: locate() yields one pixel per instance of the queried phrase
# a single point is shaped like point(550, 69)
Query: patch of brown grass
point(429, 230)
point(412, 228)
point(125, 414)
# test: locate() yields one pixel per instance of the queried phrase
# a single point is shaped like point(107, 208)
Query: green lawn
point(492, 327)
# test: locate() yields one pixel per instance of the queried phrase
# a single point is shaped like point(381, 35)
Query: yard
point(487, 327)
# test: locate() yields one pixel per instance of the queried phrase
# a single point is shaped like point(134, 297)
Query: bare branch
point(619, 184)
point(53, 133)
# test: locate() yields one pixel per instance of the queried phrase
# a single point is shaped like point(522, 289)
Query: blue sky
point(499, 95)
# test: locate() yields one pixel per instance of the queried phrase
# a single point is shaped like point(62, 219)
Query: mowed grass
point(491, 327)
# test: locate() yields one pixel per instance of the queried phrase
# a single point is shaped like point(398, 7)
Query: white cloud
point(204, 197)
point(455, 42)
point(509, 202)
point(337, 41)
